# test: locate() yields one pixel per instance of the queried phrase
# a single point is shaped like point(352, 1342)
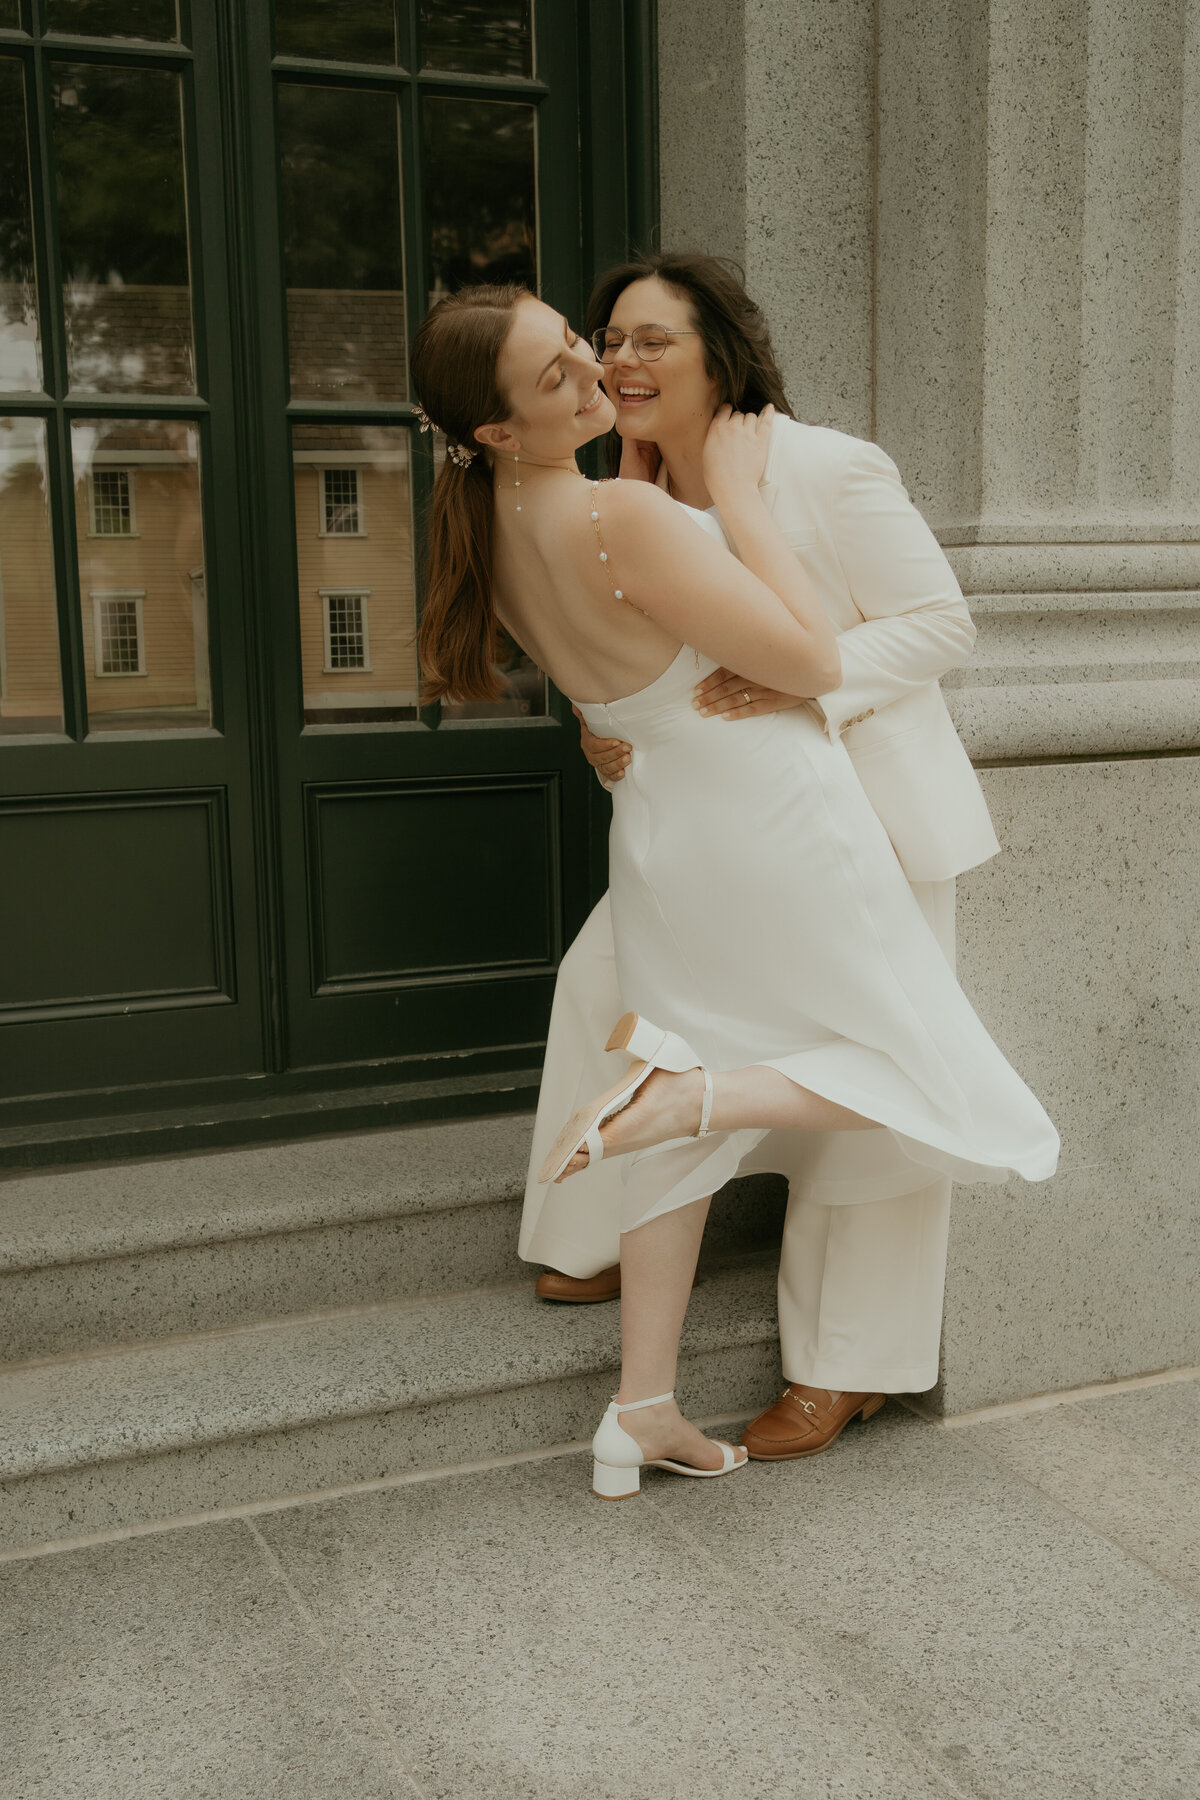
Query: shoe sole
point(579, 1299)
point(570, 1139)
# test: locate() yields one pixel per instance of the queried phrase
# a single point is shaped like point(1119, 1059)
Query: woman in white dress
point(791, 982)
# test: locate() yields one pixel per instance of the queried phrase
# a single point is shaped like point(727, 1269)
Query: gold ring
point(746, 697)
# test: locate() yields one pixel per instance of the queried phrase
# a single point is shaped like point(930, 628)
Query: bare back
point(556, 598)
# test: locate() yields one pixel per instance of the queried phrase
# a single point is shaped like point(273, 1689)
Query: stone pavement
point(1008, 1608)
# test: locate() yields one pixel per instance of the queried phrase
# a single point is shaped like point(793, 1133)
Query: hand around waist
point(721, 695)
point(729, 696)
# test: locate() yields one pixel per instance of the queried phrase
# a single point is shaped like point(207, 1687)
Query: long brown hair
point(454, 357)
point(737, 342)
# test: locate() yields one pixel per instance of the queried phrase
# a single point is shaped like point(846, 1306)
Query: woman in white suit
point(863, 1258)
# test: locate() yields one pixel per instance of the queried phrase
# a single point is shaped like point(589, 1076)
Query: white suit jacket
point(902, 622)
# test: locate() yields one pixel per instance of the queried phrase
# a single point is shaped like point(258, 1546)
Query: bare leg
point(668, 1106)
point(658, 1266)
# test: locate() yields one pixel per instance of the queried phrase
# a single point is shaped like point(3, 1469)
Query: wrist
point(739, 495)
point(741, 508)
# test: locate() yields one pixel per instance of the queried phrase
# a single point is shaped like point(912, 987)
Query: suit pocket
point(802, 537)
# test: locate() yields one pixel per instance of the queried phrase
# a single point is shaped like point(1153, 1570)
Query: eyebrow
point(556, 355)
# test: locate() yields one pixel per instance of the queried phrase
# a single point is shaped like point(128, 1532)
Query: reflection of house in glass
point(141, 573)
point(129, 337)
point(354, 565)
point(30, 696)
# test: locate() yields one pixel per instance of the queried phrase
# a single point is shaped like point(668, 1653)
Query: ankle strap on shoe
point(634, 1405)
point(706, 1107)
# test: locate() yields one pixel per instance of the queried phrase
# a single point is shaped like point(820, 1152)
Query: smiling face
point(551, 377)
point(672, 397)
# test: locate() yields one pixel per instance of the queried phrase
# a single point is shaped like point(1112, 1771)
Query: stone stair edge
point(188, 1394)
point(63, 1216)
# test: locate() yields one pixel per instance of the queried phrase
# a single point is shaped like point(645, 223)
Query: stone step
point(262, 1114)
point(96, 1442)
point(127, 1253)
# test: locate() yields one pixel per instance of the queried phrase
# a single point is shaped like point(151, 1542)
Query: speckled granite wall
point(702, 135)
point(976, 234)
point(1080, 948)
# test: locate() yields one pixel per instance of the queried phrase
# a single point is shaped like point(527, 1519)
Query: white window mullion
point(347, 631)
point(118, 632)
point(340, 503)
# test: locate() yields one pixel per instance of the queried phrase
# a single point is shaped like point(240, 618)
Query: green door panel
point(145, 920)
point(423, 881)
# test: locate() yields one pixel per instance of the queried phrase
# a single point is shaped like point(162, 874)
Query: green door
point(127, 878)
point(232, 844)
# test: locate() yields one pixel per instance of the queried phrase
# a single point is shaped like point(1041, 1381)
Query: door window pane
point(141, 574)
point(479, 37)
point(20, 350)
point(123, 228)
point(343, 243)
point(480, 193)
point(30, 684)
point(354, 567)
point(362, 31)
point(158, 19)
point(10, 15)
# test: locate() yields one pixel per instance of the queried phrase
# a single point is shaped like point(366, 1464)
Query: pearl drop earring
point(517, 466)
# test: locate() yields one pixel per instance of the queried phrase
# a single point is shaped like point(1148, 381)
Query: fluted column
point(1037, 289)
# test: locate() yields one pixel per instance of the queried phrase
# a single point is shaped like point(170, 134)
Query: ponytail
point(458, 640)
point(454, 359)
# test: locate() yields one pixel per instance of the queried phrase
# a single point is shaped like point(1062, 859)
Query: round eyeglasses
point(649, 341)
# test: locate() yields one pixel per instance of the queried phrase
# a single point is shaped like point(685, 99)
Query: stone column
point(976, 230)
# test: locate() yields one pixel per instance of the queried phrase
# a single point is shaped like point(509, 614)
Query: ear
point(497, 437)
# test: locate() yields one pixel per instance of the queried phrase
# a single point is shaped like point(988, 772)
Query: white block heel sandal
point(618, 1464)
point(653, 1049)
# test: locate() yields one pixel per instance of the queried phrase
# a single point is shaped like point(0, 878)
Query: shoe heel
point(872, 1407)
point(615, 1484)
point(622, 1031)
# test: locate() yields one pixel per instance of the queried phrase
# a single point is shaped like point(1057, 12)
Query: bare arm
point(761, 615)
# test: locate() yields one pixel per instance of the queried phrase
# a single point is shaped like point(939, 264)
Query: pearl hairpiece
point(458, 453)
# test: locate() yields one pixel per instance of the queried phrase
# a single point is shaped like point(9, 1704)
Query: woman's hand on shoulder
point(735, 452)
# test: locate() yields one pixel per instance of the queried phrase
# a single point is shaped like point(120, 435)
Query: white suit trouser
point(863, 1261)
point(861, 1285)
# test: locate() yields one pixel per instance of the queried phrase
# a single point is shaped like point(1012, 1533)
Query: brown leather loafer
point(804, 1421)
point(604, 1286)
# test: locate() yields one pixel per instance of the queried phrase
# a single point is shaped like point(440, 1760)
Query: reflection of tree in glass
point(19, 366)
point(121, 202)
point(337, 30)
point(123, 226)
point(156, 19)
point(340, 161)
point(479, 176)
point(480, 37)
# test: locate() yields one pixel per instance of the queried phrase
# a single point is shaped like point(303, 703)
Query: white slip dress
point(759, 911)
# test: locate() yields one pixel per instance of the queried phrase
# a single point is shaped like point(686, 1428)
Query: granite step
point(116, 1438)
point(126, 1253)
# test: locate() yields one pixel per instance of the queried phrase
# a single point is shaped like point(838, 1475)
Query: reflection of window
point(347, 644)
point(112, 503)
point(341, 506)
point(120, 640)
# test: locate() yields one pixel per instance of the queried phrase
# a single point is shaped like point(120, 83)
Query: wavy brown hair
point(737, 342)
point(454, 358)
